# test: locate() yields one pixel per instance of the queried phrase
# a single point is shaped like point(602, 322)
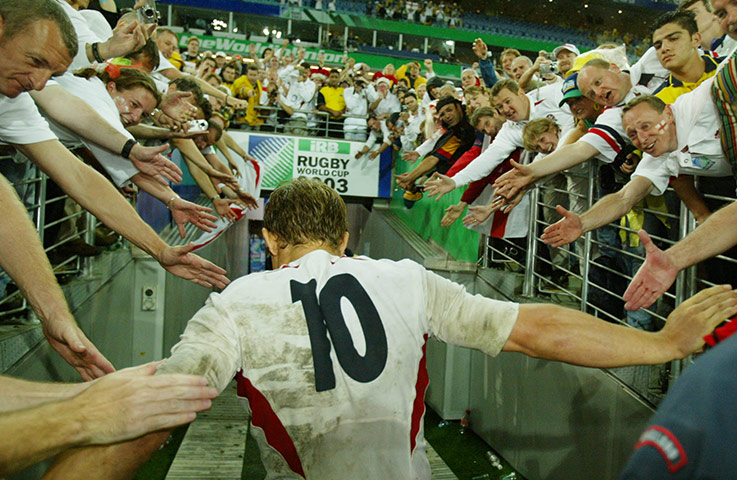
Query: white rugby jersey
point(543, 104)
point(699, 150)
point(331, 359)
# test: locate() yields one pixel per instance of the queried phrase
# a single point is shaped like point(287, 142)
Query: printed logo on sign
point(324, 146)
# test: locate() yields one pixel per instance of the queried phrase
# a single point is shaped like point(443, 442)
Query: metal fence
point(275, 120)
point(593, 279)
point(60, 223)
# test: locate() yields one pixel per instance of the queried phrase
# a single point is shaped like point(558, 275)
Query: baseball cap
point(581, 61)
point(383, 80)
point(220, 54)
point(566, 46)
point(570, 89)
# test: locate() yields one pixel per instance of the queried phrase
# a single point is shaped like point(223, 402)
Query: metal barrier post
point(41, 202)
point(587, 238)
point(90, 225)
point(528, 289)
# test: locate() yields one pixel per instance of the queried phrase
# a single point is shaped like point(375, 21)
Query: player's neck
point(290, 253)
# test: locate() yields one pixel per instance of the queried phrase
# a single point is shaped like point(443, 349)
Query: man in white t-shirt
point(680, 138)
point(329, 351)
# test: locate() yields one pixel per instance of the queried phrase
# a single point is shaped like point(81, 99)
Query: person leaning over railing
point(39, 28)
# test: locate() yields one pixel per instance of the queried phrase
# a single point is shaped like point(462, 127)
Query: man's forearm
point(154, 188)
point(427, 164)
point(150, 132)
point(716, 235)
point(22, 256)
point(189, 150)
point(94, 193)
point(561, 334)
point(563, 158)
point(526, 77)
point(75, 114)
point(233, 145)
point(201, 178)
point(34, 434)
point(608, 209)
point(17, 394)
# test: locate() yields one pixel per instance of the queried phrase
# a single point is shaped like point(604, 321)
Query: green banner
point(424, 218)
point(240, 47)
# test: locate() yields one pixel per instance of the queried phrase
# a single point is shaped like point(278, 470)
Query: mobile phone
point(197, 125)
point(148, 13)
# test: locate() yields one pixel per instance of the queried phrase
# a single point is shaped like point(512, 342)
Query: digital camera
point(148, 13)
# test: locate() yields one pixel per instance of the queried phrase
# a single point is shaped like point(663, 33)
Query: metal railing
point(594, 266)
point(47, 212)
point(317, 123)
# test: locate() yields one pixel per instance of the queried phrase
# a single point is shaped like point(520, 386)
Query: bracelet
point(171, 201)
point(96, 53)
point(125, 153)
point(214, 197)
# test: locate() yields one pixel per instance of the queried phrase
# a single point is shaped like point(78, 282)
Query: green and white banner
point(330, 160)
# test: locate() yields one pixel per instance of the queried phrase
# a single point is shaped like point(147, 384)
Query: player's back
point(333, 366)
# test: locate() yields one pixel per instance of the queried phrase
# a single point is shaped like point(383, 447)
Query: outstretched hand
point(70, 342)
point(654, 277)
point(222, 207)
point(159, 167)
point(697, 317)
point(478, 214)
point(183, 212)
point(132, 402)
point(180, 261)
point(176, 106)
point(511, 182)
point(566, 230)
point(410, 156)
point(439, 185)
point(452, 214)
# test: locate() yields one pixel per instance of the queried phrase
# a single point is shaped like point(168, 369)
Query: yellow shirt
point(332, 97)
point(402, 73)
point(240, 89)
point(674, 88)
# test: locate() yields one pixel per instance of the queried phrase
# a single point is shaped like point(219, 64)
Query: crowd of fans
point(124, 96)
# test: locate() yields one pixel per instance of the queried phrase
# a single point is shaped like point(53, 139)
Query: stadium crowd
point(123, 96)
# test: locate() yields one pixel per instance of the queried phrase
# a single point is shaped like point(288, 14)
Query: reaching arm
point(190, 151)
point(233, 145)
point(557, 333)
point(75, 114)
point(117, 407)
point(521, 177)
point(24, 259)
point(96, 194)
point(660, 269)
point(406, 180)
point(182, 211)
point(606, 210)
point(223, 147)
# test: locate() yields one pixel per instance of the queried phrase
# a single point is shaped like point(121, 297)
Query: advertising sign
point(330, 160)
